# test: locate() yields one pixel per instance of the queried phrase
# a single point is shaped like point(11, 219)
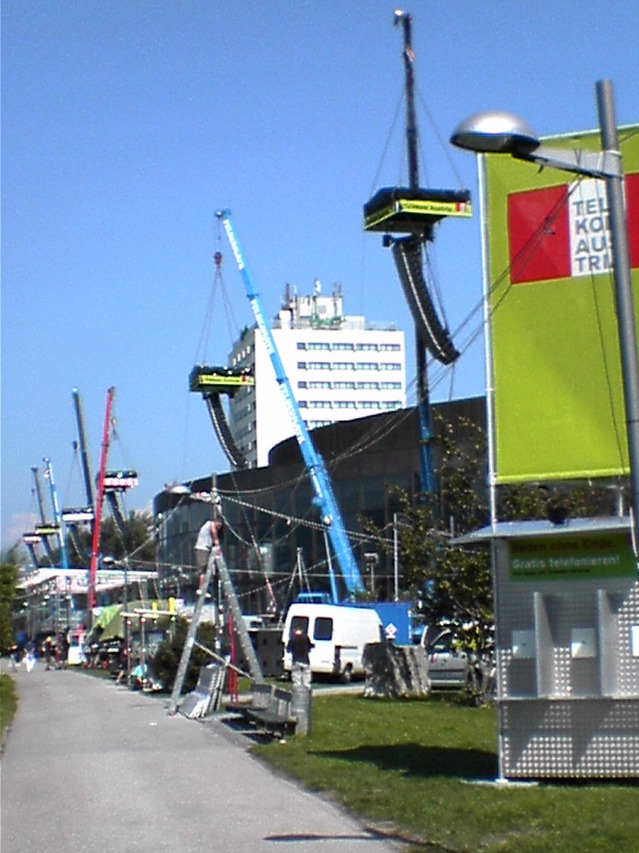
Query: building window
point(319, 365)
point(366, 347)
point(344, 386)
point(319, 385)
point(345, 404)
point(302, 383)
point(390, 366)
point(318, 345)
point(343, 346)
point(301, 365)
point(389, 347)
point(301, 345)
point(319, 404)
point(368, 386)
point(343, 365)
point(390, 386)
point(366, 365)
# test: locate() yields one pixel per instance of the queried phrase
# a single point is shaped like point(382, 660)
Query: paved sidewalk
point(91, 766)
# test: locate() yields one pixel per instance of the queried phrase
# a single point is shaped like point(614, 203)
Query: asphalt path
point(91, 766)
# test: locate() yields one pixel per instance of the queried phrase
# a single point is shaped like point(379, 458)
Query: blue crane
point(57, 518)
point(324, 498)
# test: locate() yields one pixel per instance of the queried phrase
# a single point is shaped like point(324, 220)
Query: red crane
point(95, 545)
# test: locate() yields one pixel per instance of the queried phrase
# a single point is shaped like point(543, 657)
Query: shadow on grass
point(413, 759)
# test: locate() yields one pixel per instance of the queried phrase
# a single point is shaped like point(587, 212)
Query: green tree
point(454, 582)
point(167, 658)
point(9, 572)
point(136, 541)
point(536, 500)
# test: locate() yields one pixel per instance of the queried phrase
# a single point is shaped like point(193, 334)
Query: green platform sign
point(567, 558)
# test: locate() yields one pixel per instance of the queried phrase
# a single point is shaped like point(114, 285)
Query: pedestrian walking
point(14, 658)
point(29, 658)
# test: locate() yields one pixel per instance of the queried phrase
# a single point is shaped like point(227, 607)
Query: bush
point(167, 658)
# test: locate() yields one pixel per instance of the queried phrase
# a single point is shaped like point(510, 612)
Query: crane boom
point(97, 520)
point(86, 466)
point(324, 497)
point(43, 518)
point(57, 518)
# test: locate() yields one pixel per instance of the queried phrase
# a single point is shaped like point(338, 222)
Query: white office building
point(339, 368)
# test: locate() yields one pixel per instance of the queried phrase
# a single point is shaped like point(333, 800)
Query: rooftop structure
point(340, 368)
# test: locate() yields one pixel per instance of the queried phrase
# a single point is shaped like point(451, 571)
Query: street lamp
point(500, 132)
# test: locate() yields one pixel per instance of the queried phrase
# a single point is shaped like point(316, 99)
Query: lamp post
point(399, 520)
point(395, 558)
point(500, 132)
point(127, 622)
point(124, 566)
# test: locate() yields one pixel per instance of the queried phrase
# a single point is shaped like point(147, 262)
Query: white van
point(338, 633)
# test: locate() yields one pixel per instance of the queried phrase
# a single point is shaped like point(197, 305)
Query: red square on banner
point(632, 212)
point(538, 237)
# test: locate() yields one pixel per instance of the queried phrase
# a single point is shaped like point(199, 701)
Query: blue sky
point(127, 123)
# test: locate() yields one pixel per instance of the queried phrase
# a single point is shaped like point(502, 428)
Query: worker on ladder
point(208, 535)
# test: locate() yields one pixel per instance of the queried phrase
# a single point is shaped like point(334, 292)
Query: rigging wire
point(73, 469)
point(376, 433)
point(495, 298)
point(442, 142)
point(219, 286)
point(386, 146)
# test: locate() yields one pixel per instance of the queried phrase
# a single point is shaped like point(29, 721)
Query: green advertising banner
point(568, 558)
point(558, 394)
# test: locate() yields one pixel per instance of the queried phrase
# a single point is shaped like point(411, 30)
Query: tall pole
point(623, 295)
point(43, 518)
point(411, 122)
point(97, 520)
point(38, 491)
point(395, 558)
point(84, 454)
point(412, 135)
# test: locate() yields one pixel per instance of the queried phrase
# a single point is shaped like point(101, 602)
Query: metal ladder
point(216, 562)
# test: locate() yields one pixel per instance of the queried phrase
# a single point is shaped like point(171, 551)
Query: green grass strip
point(425, 771)
point(8, 703)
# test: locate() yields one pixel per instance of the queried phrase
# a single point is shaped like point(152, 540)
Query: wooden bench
point(270, 709)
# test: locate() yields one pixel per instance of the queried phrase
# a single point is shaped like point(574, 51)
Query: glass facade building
point(273, 542)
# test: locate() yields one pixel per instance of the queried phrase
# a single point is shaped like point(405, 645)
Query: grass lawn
point(8, 703)
point(424, 769)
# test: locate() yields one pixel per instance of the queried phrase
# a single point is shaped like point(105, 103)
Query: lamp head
point(495, 132)
point(177, 489)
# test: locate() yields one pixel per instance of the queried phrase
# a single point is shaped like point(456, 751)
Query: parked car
point(450, 666)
